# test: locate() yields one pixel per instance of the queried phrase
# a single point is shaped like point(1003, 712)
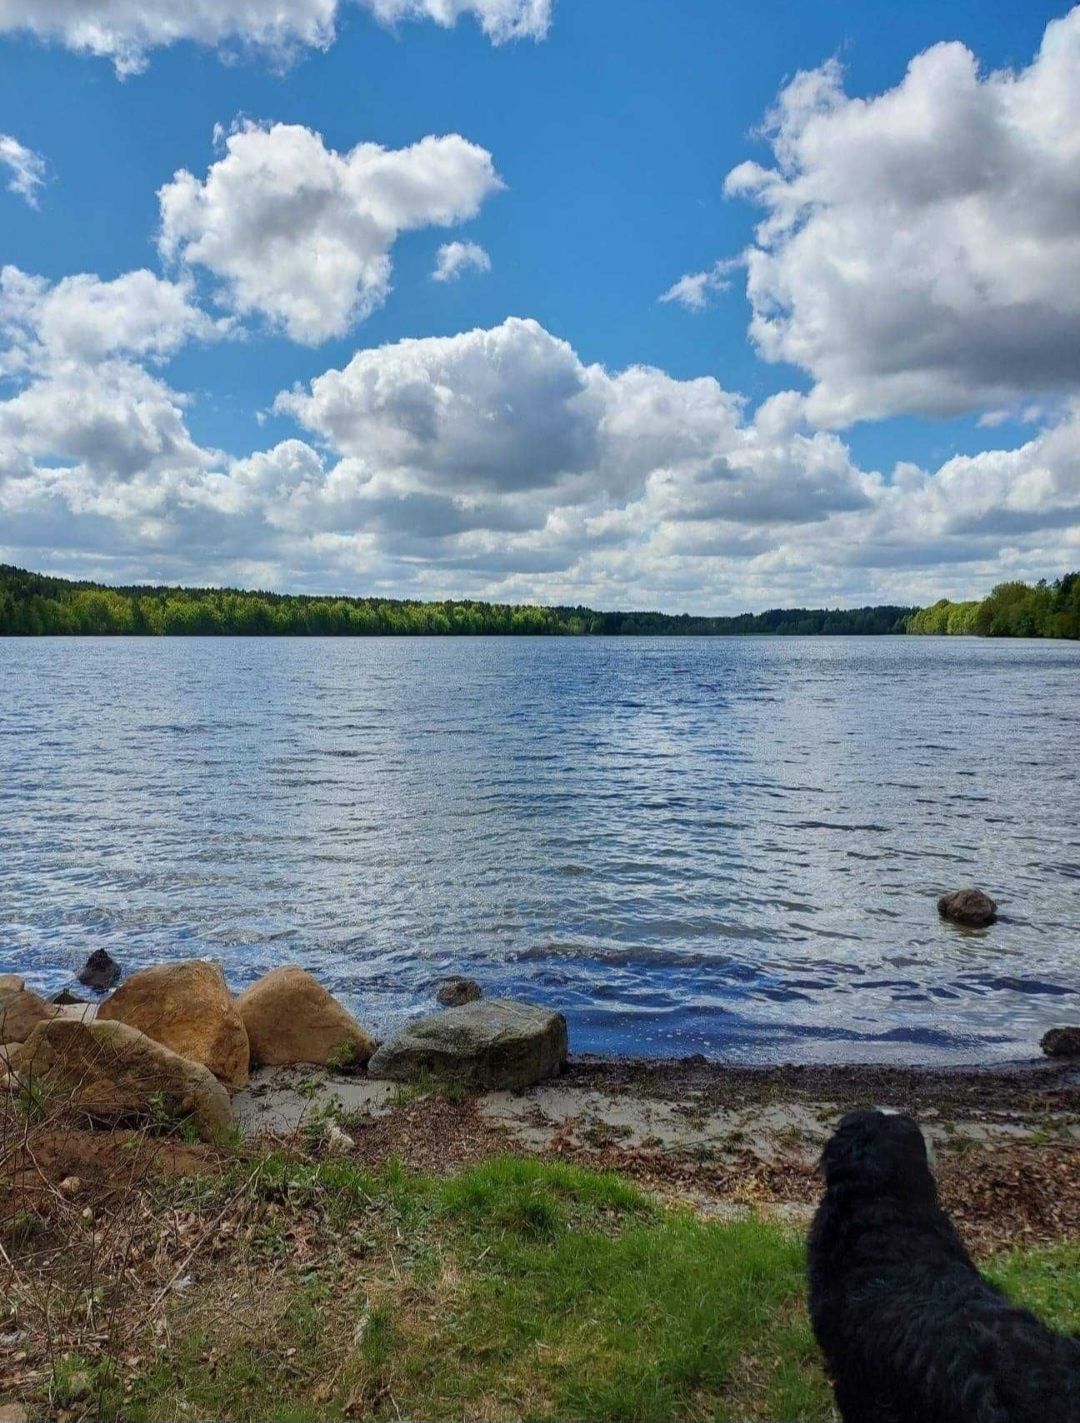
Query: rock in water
point(494, 1044)
point(100, 971)
point(969, 907)
point(20, 1009)
point(187, 1007)
point(1061, 1042)
point(290, 1017)
point(114, 1073)
point(456, 991)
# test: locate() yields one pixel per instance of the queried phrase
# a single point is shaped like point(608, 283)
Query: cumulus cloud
point(496, 463)
point(126, 31)
point(301, 234)
point(456, 258)
point(84, 319)
point(696, 290)
point(921, 248)
point(26, 169)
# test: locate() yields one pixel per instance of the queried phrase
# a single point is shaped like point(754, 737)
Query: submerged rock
point(496, 1043)
point(113, 1073)
point(969, 907)
point(290, 1017)
point(188, 1008)
point(1061, 1042)
point(100, 971)
point(21, 1010)
point(456, 991)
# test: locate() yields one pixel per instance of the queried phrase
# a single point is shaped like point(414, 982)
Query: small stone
point(70, 1186)
point(100, 971)
point(970, 907)
point(457, 991)
point(65, 998)
point(1061, 1042)
point(337, 1140)
point(13, 1413)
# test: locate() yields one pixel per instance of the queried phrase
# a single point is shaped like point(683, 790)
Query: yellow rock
point(188, 1008)
point(290, 1017)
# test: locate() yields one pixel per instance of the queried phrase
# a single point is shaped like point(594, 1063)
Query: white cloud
point(82, 318)
point(500, 20)
point(921, 249)
point(456, 258)
point(27, 168)
point(302, 234)
point(497, 464)
point(696, 290)
point(125, 31)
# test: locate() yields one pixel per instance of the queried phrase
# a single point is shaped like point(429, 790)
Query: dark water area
point(728, 846)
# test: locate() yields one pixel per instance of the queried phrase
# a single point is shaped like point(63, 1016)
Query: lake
point(727, 846)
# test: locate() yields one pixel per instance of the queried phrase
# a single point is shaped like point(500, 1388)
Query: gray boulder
point(969, 907)
point(494, 1044)
point(1061, 1042)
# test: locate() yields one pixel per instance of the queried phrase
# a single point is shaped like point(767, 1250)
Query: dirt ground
point(726, 1140)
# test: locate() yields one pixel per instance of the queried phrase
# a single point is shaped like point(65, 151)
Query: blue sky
point(613, 132)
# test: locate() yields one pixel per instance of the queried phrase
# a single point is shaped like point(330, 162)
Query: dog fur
point(910, 1330)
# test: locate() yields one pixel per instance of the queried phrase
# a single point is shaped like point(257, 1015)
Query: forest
point(1012, 610)
point(34, 605)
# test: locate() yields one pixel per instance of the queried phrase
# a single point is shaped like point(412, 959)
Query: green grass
point(515, 1290)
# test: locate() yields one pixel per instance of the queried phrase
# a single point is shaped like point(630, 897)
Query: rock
point(969, 907)
point(100, 971)
point(20, 1010)
point(187, 1007)
point(456, 991)
point(1061, 1042)
point(114, 1073)
point(290, 1017)
point(65, 998)
point(494, 1044)
point(336, 1140)
point(13, 1413)
point(70, 1186)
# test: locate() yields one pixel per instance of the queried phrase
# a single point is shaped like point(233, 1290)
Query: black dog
point(911, 1331)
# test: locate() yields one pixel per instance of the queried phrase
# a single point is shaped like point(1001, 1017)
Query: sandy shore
point(724, 1139)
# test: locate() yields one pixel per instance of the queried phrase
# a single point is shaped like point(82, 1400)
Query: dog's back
point(910, 1330)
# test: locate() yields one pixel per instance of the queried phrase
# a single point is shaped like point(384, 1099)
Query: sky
point(637, 304)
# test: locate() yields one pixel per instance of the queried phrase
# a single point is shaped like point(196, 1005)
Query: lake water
point(728, 846)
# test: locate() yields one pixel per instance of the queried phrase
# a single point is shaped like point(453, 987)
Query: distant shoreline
point(35, 605)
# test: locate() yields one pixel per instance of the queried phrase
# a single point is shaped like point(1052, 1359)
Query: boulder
point(456, 991)
point(20, 1010)
point(969, 907)
point(1061, 1042)
point(290, 1017)
point(188, 1008)
point(100, 971)
point(493, 1044)
point(114, 1073)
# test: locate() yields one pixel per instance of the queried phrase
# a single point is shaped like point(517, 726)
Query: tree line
point(32, 604)
point(1012, 610)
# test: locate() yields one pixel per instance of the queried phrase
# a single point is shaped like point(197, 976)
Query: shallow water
point(731, 846)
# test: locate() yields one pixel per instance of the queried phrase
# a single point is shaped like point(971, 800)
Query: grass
point(513, 1290)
